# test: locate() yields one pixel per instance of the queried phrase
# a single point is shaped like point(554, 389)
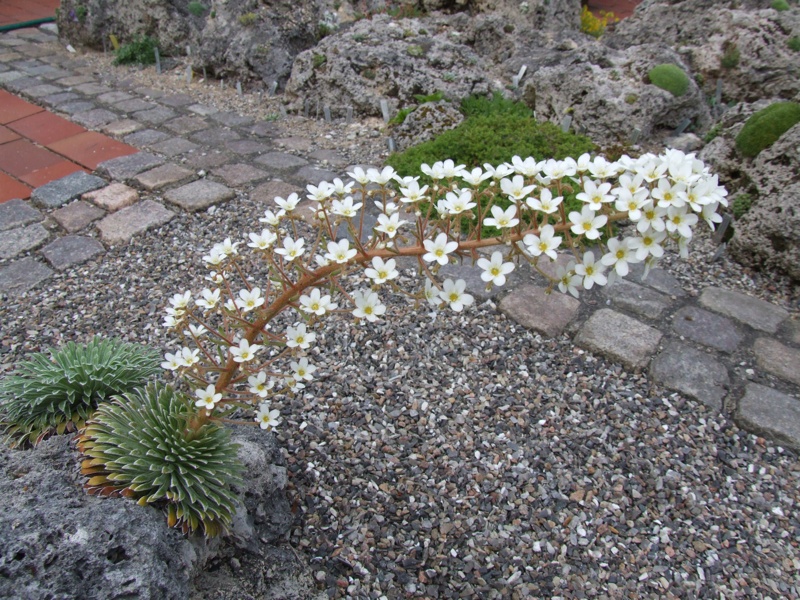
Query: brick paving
point(693, 345)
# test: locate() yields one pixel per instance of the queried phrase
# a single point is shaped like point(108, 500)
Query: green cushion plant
point(780, 5)
point(141, 51)
point(669, 77)
point(149, 445)
point(764, 128)
point(57, 392)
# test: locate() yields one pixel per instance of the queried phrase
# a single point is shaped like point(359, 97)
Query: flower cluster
point(231, 356)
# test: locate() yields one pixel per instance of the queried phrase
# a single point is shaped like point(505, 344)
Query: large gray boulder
point(768, 235)
point(425, 123)
point(57, 542)
point(533, 14)
point(391, 59)
point(606, 92)
point(743, 44)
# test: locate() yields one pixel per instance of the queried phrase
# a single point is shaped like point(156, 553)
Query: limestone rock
point(425, 123)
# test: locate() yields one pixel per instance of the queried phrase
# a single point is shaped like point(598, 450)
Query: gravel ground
point(465, 457)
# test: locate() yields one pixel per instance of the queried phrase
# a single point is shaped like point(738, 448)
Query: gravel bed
point(462, 456)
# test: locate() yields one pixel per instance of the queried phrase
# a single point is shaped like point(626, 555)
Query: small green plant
point(497, 104)
point(780, 5)
point(148, 445)
point(794, 44)
point(764, 128)
point(434, 97)
point(141, 51)
point(669, 77)
point(415, 50)
point(81, 12)
point(595, 25)
point(741, 204)
point(318, 60)
point(324, 30)
point(401, 115)
point(58, 392)
point(730, 56)
point(198, 9)
point(713, 133)
point(369, 73)
point(360, 37)
point(449, 77)
point(248, 19)
point(631, 99)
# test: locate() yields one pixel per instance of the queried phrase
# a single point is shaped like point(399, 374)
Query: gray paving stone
point(92, 89)
point(532, 307)
point(239, 174)
point(94, 118)
point(199, 195)
point(10, 76)
point(770, 413)
point(46, 71)
point(122, 127)
point(636, 298)
point(174, 147)
point(232, 119)
point(152, 93)
point(207, 160)
point(754, 312)
point(45, 89)
point(17, 213)
point(186, 124)
point(707, 328)
point(62, 98)
point(202, 109)
point(266, 129)
point(329, 157)
point(77, 106)
point(129, 166)
point(21, 239)
point(155, 115)
point(162, 176)
point(55, 73)
point(145, 138)
point(177, 100)
point(791, 329)
point(312, 175)
point(281, 162)
point(266, 192)
point(782, 361)
point(691, 372)
point(114, 97)
point(299, 144)
point(22, 275)
point(23, 83)
point(118, 228)
point(619, 337)
point(214, 137)
point(658, 279)
point(113, 197)
point(76, 80)
point(61, 191)
point(71, 250)
point(77, 215)
point(135, 105)
point(247, 146)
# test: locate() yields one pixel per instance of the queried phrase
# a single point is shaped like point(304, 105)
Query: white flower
point(381, 177)
point(263, 240)
point(669, 195)
point(476, 176)
point(591, 271)
point(619, 255)
point(515, 188)
point(215, 277)
point(180, 301)
point(346, 208)
point(435, 172)
point(303, 370)
point(340, 188)
point(172, 362)
point(249, 299)
point(207, 398)
point(412, 193)
point(228, 248)
point(259, 384)
point(230, 305)
point(680, 222)
point(602, 169)
point(631, 184)
point(528, 167)
point(189, 357)
point(451, 169)
point(382, 271)
point(652, 217)
point(649, 244)
point(583, 162)
point(290, 203)
point(170, 322)
point(544, 243)
point(568, 280)
point(558, 169)
point(267, 419)
point(196, 331)
point(499, 171)
point(438, 249)
point(389, 224)
point(453, 293)
point(291, 248)
point(340, 252)
point(502, 219)
point(545, 203)
point(359, 175)
point(209, 299)
point(368, 305)
point(299, 337)
point(244, 352)
point(586, 223)
point(495, 270)
point(431, 293)
point(389, 208)
point(456, 203)
point(595, 193)
point(315, 302)
point(215, 256)
point(320, 192)
point(632, 203)
point(271, 218)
